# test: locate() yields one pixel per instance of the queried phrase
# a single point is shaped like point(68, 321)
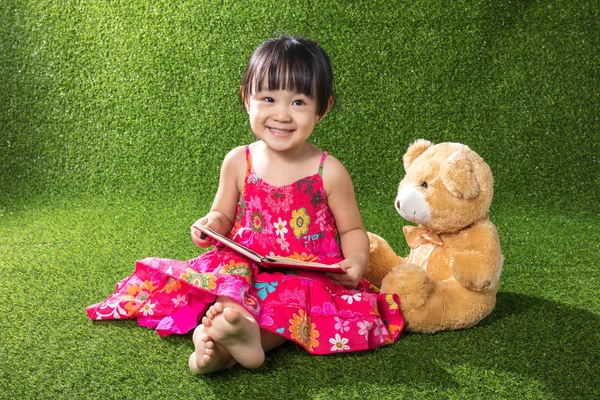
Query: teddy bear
point(450, 277)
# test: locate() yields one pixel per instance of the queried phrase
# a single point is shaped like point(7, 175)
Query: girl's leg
point(230, 334)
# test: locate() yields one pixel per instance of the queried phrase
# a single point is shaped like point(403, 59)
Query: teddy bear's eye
point(424, 185)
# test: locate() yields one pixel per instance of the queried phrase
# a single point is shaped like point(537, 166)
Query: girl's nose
point(282, 113)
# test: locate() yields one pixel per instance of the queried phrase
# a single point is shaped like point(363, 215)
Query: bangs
point(285, 71)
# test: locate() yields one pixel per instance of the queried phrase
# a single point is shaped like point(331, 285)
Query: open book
point(269, 261)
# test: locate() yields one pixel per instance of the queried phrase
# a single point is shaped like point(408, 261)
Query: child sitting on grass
point(282, 196)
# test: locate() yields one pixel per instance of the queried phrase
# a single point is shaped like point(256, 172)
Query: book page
point(269, 261)
point(254, 256)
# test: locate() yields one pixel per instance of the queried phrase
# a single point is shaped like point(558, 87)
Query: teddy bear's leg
point(449, 305)
point(412, 284)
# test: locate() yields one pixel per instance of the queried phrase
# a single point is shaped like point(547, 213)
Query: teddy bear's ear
point(415, 150)
point(458, 176)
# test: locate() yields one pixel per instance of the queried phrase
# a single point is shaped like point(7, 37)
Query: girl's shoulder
point(334, 174)
point(237, 152)
point(234, 163)
point(333, 167)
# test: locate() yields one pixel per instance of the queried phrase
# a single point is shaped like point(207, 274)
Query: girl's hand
point(354, 267)
point(200, 238)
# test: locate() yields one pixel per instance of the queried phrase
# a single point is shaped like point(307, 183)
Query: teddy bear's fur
point(450, 278)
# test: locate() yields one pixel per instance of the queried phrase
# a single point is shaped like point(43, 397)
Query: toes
point(198, 333)
point(192, 363)
point(231, 315)
point(214, 310)
point(217, 308)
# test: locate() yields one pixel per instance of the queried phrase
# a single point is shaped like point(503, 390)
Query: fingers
point(200, 238)
point(353, 274)
point(348, 280)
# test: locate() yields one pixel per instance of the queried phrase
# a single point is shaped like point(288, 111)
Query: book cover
point(269, 261)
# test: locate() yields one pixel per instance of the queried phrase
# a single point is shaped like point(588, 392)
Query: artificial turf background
point(115, 116)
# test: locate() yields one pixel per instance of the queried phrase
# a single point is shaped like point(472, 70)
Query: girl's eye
point(269, 99)
point(424, 185)
point(298, 102)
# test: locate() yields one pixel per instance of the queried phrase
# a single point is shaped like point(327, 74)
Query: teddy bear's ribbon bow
point(416, 236)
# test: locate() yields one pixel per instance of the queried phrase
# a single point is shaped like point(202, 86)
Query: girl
point(280, 196)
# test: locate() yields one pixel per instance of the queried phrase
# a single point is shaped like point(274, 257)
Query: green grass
point(115, 116)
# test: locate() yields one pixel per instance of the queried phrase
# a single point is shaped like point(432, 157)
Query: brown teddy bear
point(450, 278)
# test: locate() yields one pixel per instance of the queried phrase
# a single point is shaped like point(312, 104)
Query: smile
point(281, 132)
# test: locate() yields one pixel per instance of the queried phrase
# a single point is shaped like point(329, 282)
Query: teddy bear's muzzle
point(412, 206)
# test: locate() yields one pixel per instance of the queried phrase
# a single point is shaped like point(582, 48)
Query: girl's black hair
point(290, 63)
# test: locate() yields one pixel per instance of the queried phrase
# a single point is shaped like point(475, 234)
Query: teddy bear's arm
point(478, 266)
point(382, 259)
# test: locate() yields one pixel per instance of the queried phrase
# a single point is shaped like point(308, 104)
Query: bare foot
point(209, 356)
point(238, 335)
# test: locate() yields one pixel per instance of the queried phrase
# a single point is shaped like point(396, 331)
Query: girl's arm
point(353, 237)
point(222, 213)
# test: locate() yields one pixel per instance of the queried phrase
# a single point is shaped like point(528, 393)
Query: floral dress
point(306, 307)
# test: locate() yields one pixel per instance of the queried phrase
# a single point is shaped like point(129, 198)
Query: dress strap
point(323, 157)
point(248, 167)
point(248, 160)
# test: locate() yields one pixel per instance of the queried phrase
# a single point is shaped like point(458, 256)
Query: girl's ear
point(329, 105)
point(244, 97)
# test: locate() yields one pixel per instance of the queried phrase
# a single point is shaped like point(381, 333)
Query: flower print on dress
point(265, 316)
point(391, 302)
point(303, 257)
point(179, 301)
point(341, 324)
point(339, 343)
point(284, 245)
point(303, 330)
point(364, 327)
point(110, 309)
point(136, 295)
point(317, 198)
point(240, 268)
point(147, 309)
point(173, 285)
point(327, 310)
point(241, 213)
point(205, 280)
point(264, 288)
point(300, 222)
point(295, 297)
point(324, 219)
point(352, 298)
point(252, 179)
point(259, 220)
point(250, 301)
point(280, 228)
point(380, 331)
point(280, 199)
point(306, 184)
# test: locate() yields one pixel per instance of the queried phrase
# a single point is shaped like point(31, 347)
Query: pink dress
point(307, 307)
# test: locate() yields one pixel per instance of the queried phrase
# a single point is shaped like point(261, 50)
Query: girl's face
point(282, 119)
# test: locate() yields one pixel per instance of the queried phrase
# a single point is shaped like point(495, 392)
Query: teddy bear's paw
point(470, 271)
point(374, 242)
point(411, 283)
